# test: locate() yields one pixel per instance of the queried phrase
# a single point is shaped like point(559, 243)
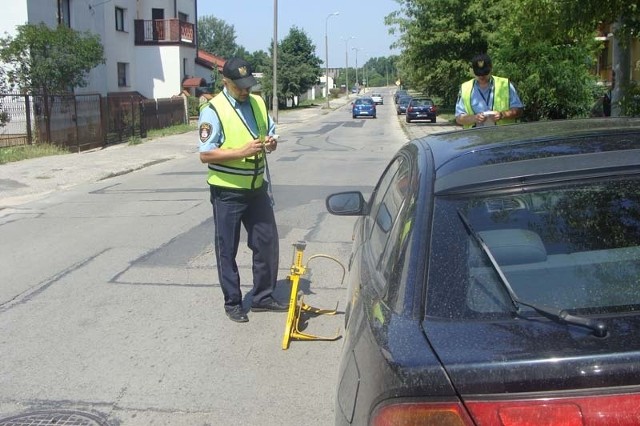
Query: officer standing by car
point(235, 134)
point(486, 99)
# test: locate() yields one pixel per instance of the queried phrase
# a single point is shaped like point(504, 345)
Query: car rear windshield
point(574, 246)
point(421, 102)
point(364, 101)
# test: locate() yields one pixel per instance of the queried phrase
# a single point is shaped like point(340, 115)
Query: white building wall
point(154, 71)
point(157, 72)
point(95, 20)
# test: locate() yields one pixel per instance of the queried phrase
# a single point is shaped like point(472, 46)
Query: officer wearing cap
point(486, 99)
point(236, 132)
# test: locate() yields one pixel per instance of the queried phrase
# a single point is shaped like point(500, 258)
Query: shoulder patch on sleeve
point(205, 132)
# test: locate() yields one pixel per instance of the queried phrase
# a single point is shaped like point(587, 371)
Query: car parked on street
point(420, 109)
point(493, 280)
point(377, 98)
point(399, 93)
point(401, 106)
point(363, 107)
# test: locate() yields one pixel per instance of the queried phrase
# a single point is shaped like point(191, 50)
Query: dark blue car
point(421, 109)
point(402, 104)
point(363, 107)
point(495, 280)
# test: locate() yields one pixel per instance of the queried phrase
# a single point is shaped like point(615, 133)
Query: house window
point(183, 17)
point(123, 74)
point(64, 13)
point(119, 19)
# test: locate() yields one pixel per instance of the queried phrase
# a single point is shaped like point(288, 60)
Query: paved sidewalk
point(24, 181)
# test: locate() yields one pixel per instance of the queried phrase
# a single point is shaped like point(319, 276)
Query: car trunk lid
point(517, 369)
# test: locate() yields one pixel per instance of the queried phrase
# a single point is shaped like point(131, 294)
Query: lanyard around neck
point(485, 99)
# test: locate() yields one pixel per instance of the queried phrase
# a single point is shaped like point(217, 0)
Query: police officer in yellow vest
point(486, 99)
point(236, 132)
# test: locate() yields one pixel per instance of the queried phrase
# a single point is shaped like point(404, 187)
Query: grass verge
point(25, 152)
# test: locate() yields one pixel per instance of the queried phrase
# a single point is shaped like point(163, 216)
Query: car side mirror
point(350, 203)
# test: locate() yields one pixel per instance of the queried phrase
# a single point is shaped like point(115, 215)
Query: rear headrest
point(514, 246)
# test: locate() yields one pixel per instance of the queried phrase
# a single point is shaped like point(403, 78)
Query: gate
point(69, 121)
point(83, 122)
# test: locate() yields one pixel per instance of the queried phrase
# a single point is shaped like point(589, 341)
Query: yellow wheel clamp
point(296, 302)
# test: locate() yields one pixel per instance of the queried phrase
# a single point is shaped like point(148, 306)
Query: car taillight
point(603, 410)
point(421, 414)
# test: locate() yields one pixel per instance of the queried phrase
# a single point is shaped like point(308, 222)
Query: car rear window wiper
point(560, 315)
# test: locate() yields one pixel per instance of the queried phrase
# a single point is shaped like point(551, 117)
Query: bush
point(630, 102)
point(334, 93)
point(193, 106)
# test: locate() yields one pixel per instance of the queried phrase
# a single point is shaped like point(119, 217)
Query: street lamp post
point(326, 54)
point(275, 61)
point(346, 60)
point(357, 82)
point(366, 75)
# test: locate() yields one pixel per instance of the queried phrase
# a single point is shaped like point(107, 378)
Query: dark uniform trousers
point(252, 209)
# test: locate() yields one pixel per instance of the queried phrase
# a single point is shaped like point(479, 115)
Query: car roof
point(465, 160)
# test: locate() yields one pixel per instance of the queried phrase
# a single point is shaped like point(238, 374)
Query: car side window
point(377, 217)
point(385, 216)
point(399, 196)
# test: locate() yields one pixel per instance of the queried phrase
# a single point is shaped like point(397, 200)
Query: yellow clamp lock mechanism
point(296, 302)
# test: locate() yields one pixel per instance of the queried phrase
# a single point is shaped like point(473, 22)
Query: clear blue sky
point(364, 20)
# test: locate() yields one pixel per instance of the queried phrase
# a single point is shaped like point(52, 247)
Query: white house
point(149, 45)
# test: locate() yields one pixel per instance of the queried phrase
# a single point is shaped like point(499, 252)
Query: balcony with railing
point(164, 31)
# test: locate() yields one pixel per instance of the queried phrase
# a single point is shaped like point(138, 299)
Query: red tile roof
point(210, 60)
point(194, 82)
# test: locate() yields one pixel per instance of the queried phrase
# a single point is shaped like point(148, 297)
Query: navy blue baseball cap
point(481, 64)
point(240, 72)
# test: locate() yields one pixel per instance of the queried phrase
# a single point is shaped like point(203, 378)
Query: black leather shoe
point(269, 304)
point(236, 314)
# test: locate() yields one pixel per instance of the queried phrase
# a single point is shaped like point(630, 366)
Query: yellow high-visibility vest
point(245, 173)
point(500, 98)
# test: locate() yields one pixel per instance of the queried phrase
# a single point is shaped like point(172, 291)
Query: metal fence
point(83, 122)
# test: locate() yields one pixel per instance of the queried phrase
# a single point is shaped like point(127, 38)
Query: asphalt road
point(110, 312)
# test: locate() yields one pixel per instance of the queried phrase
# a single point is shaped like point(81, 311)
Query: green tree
point(535, 43)
point(4, 116)
point(438, 41)
point(298, 67)
point(380, 71)
point(583, 16)
point(260, 60)
point(43, 60)
point(217, 37)
point(549, 62)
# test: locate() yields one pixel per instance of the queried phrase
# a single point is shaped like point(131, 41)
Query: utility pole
point(346, 60)
point(326, 54)
point(357, 82)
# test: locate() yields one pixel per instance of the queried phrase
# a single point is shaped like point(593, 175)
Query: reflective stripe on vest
point(245, 173)
point(500, 98)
